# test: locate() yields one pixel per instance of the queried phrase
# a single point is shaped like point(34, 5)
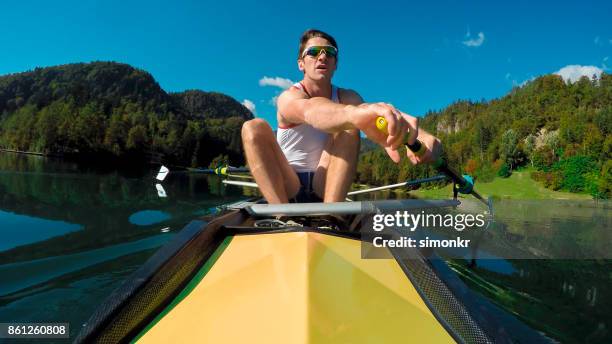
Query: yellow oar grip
point(417, 147)
point(381, 124)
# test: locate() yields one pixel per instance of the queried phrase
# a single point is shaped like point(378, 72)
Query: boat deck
point(297, 287)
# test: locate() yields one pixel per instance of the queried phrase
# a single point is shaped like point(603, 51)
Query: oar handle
point(465, 183)
point(417, 147)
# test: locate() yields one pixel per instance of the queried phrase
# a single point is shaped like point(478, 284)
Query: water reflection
point(22, 275)
point(566, 299)
point(545, 262)
point(148, 217)
point(23, 229)
point(73, 232)
point(543, 229)
point(108, 208)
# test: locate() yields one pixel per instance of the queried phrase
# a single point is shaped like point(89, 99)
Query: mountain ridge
point(115, 111)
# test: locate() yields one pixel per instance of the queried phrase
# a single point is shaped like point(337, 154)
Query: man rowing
point(314, 154)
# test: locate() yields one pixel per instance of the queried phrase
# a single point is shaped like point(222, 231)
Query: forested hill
point(562, 130)
point(207, 105)
point(105, 110)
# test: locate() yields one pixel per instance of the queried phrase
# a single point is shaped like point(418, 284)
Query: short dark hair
point(310, 33)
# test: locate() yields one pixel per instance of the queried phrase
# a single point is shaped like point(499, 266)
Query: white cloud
point(249, 105)
point(276, 81)
point(474, 42)
point(598, 41)
point(604, 66)
point(508, 76)
point(573, 73)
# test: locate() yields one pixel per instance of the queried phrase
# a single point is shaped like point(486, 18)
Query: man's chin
point(321, 76)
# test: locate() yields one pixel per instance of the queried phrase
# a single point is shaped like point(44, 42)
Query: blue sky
point(417, 56)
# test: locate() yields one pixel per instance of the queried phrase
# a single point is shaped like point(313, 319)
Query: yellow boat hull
point(297, 287)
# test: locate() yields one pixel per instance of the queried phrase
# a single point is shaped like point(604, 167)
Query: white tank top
point(303, 144)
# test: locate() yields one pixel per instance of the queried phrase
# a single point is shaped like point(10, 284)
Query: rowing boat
point(244, 276)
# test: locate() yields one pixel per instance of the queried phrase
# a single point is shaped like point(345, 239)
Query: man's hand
point(401, 127)
point(433, 149)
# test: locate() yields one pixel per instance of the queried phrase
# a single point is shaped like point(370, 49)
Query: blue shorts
point(306, 192)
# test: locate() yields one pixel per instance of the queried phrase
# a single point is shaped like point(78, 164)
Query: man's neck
point(318, 89)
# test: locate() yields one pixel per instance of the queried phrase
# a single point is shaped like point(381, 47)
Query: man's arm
point(294, 107)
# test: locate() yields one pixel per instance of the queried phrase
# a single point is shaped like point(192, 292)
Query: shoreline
point(26, 152)
point(149, 159)
point(519, 186)
point(531, 189)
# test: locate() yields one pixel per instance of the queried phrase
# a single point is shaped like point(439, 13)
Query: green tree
point(530, 147)
point(604, 187)
point(116, 132)
point(504, 171)
point(575, 171)
point(137, 140)
point(509, 151)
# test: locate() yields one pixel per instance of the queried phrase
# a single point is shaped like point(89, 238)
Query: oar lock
point(467, 187)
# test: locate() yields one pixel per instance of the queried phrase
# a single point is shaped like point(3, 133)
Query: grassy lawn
point(518, 186)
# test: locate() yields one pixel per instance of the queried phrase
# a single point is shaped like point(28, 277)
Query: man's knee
point(255, 129)
point(353, 134)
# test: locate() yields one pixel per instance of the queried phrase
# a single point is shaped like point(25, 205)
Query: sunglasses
point(315, 50)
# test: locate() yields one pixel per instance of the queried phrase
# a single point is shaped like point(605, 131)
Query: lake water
point(71, 234)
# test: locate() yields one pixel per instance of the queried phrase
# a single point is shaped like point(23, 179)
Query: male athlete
point(314, 154)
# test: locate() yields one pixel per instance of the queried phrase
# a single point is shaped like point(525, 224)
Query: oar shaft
point(240, 183)
point(219, 170)
point(398, 185)
point(225, 171)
